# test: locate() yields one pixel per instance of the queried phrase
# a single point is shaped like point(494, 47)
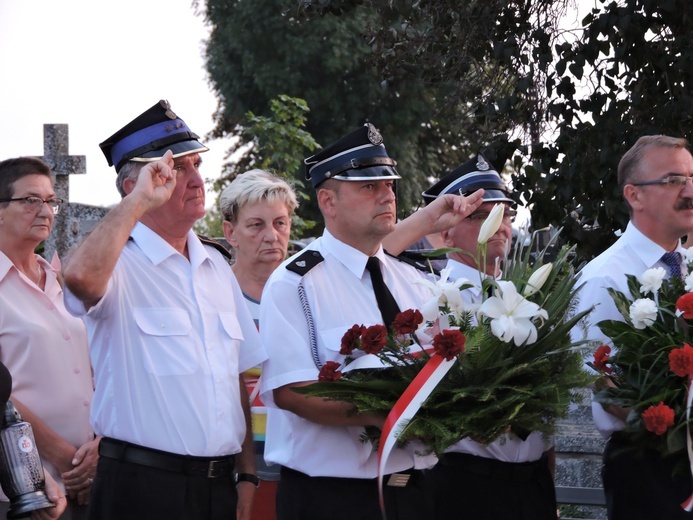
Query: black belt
point(210, 467)
point(495, 469)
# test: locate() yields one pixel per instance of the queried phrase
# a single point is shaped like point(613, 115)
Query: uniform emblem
point(305, 262)
point(373, 135)
point(481, 164)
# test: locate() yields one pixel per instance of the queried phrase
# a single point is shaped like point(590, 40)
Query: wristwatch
point(248, 477)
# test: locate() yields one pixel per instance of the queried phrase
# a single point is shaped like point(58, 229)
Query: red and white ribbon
point(688, 503)
point(406, 408)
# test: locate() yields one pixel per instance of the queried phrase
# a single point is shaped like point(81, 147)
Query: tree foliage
point(273, 143)
point(259, 50)
point(443, 79)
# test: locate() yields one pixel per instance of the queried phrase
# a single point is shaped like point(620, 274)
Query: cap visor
point(179, 150)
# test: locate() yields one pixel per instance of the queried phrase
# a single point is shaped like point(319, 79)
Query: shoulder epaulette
point(305, 262)
point(216, 245)
point(416, 260)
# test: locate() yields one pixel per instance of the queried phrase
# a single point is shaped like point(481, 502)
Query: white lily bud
point(537, 280)
point(491, 224)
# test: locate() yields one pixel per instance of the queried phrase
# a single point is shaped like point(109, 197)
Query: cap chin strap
point(358, 164)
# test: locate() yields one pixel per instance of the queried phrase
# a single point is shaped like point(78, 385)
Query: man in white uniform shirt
point(169, 335)
point(509, 478)
point(654, 178)
point(308, 304)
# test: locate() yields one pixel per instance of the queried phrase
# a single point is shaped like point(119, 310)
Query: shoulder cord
point(311, 326)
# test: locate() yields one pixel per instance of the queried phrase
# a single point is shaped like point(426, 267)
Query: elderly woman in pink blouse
point(44, 348)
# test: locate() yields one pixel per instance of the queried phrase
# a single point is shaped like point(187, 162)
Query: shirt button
point(76, 370)
point(50, 306)
point(163, 325)
point(85, 402)
point(66, 335)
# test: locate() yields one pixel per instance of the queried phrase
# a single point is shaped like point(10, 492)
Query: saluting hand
point(156, 181)
point(448, 210)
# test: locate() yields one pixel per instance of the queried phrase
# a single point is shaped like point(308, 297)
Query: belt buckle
point(211, 467)
point(398, 479)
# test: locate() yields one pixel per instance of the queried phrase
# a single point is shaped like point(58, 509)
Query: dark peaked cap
point(467, 178)
point(147, 137)
point(358, 156)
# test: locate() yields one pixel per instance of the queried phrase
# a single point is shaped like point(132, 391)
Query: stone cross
point(56, 155)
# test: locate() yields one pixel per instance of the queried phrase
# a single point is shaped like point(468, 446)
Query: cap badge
point(373, 135)
point(481, 164)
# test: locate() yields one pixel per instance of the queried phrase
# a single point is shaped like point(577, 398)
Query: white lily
point(511, 315)
point(651, 280)
point(491, 224)
point(643, 313)
point(444, 292)
point(537, 279)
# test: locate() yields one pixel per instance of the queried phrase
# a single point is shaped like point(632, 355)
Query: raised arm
point(441, 214)
point(91, 265)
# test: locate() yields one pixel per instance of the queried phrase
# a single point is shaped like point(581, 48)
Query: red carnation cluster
point(658, 419)
point(329, 372)
point(681, 360)
point(407, 322)
point(449, 343)
point(350, 339)
point(601, 358)
point(685, 305)
point(374, 339)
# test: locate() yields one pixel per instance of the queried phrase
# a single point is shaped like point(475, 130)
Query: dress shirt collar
point(350, 257)
point(6, 264)
point(157, 249)
point(645, 249)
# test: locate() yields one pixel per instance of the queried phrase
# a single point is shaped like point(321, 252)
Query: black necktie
point(386, 302)
point(673, 262)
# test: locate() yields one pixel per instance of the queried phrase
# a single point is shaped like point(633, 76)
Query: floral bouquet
point(511, 365)
point(651, 370)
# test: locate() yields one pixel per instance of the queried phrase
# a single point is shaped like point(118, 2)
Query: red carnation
point(685, 305)
point(406, 322)
point(681, 360)
point(658, 419)
point(449, 343)
point(601, 358)
point(374, 339)
point(329, 372)
point(350, 339)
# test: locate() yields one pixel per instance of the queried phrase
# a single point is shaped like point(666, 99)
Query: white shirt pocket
point(170, 350)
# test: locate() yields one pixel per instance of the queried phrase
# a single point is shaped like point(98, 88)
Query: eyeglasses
point(35, 203)
point(673, 180)
point(508, 216)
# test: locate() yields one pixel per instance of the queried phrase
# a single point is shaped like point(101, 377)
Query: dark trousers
point(300, 497)
point(476, 488)
point(128, 491)
point(643, 487)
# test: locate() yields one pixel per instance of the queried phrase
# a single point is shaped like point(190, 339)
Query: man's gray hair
point(255, 186)
point(629, 166)
point(130, 169)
